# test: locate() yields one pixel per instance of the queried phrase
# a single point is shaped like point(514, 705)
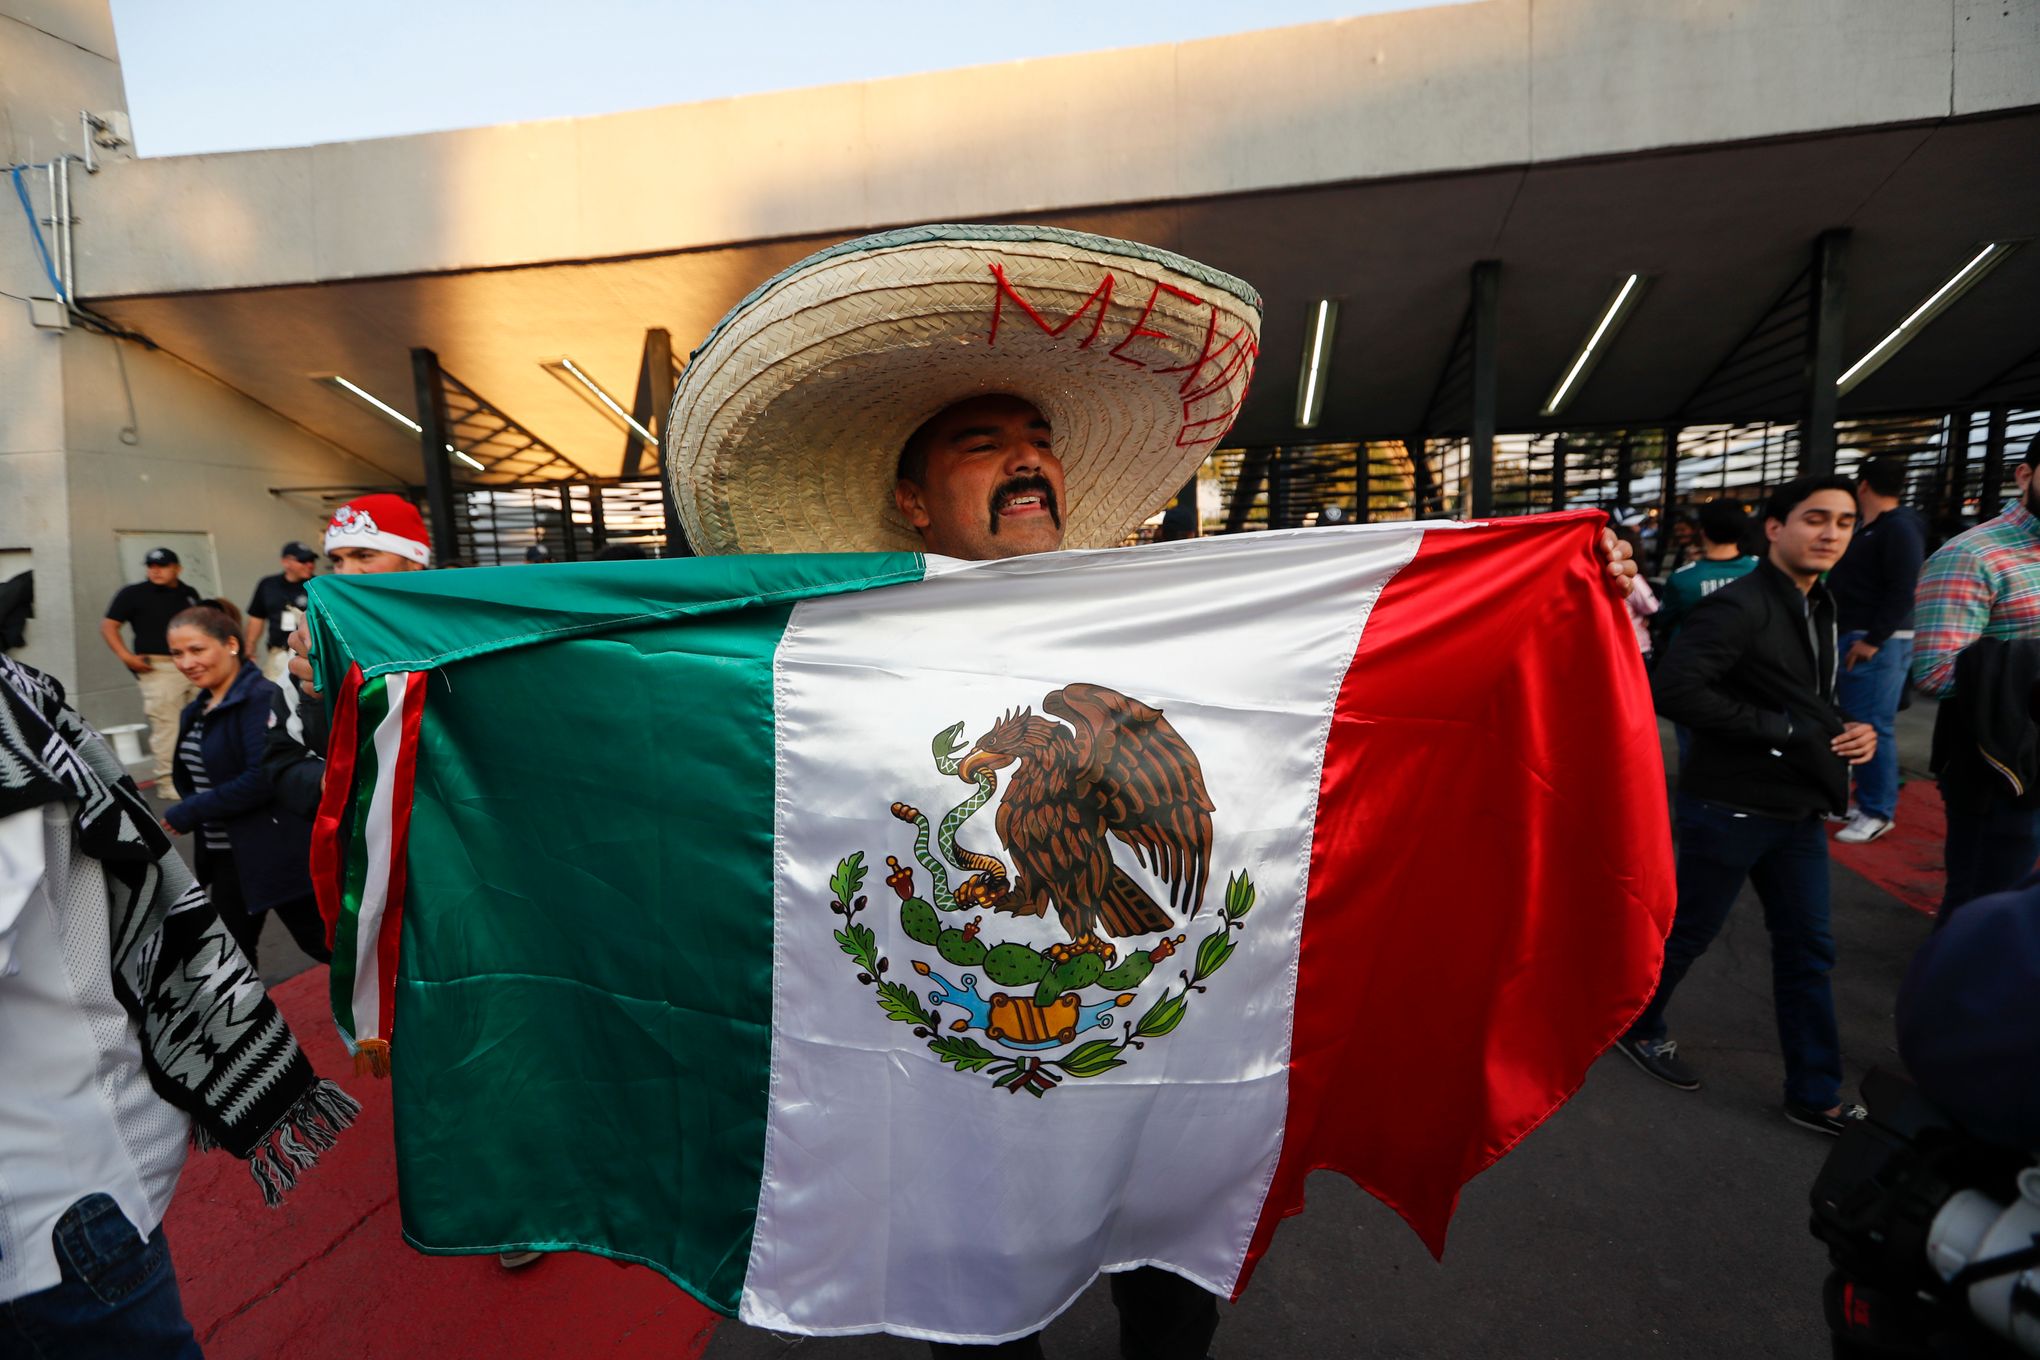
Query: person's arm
point(297, 773)
point(257, 615)
point(1951, 609)
point(109, 628)
point(1901, 549)
point(246, 791)
point(1687, 681)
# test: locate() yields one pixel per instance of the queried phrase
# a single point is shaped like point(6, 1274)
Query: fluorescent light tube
point(389, 412)
point(570, 373)
point(1939, 301)
point(1598, 339)
point(1317, 350)
point(362, 394)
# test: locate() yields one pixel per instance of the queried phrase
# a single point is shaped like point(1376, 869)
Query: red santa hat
point(384, 521)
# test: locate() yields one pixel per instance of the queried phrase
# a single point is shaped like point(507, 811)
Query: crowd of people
point(1782, 651)
point(214, 680)
point(1787, 645)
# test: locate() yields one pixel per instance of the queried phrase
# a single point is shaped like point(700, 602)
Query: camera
point(1934, 1235)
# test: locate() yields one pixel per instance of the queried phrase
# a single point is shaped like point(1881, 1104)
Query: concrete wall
point(1498, 82)
point(56, 57)
point(80, 459)
point(202, 459)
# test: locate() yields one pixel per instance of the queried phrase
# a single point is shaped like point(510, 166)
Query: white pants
point(165, 692)
point(276, 666)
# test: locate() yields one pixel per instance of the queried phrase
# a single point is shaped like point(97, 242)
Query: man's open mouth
point(1024, 496)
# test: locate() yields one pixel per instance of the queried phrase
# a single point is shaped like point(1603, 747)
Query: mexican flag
point(885, 942)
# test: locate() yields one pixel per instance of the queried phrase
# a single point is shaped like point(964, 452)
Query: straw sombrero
point(787, 426)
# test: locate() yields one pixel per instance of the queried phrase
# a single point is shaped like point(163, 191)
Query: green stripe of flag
point(571, 978)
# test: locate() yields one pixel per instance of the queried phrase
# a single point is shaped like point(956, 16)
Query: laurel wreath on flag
point(1037, 1076)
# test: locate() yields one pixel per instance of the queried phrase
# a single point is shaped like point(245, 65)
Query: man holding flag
point(1256, 719)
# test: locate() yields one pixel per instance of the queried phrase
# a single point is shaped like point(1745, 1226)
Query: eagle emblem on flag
point(1112, 769)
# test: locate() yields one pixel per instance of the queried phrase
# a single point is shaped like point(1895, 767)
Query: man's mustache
point(1021, 486)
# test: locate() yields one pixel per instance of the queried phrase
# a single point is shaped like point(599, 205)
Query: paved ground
point(1638, 1221)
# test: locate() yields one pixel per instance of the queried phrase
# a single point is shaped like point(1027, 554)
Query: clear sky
point(228, 75)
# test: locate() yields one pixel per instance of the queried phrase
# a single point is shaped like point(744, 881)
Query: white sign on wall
point(194, 552)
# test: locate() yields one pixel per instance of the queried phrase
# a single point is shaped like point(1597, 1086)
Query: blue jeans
point(1988, 849)
point(1787, 862)
point(117, 1299)
point(1870, 693)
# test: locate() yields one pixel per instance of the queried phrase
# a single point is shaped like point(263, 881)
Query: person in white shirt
point(131, 1029)
point(89, 1153)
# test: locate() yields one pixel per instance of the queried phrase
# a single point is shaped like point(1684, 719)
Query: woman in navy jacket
point(253, 857)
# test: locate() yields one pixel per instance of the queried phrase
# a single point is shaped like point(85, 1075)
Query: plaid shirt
point(1984, 582)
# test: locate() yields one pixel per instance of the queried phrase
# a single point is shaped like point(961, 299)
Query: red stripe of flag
point(1491, 870)
point(406, 776)
point(327, 852)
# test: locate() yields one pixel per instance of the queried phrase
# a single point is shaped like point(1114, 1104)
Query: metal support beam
point(659, 359)
point(1668, 498)
point(598, 528)
point(654, 392)
point(1363, 483)
point(1956, 460)
point(1993, 466)
point(1824, 352)
point(1253, 468)
point(1558, 451)
point(1625, 469)
point(1423, 490)
point(567, 552)
point(1278, 491)
point(1487, 293)
point(657, 385)
point(433, 430)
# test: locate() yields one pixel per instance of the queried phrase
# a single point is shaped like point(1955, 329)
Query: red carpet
point(328, 1277)
point(1906, 860)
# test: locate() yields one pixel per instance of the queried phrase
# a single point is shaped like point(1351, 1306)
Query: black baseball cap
point(160, 557)
point(298, 552)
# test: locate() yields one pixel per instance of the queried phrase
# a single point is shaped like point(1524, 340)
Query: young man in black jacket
point(1752, 673)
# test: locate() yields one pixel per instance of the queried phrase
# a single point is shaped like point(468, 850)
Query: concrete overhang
point(1371, 160)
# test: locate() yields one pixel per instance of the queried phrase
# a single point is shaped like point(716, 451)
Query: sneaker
point(1820, 1121)
point(511, 1260)
point(1863, 828)
point(1660, 1058)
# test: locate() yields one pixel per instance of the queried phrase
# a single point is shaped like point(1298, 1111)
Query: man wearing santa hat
point(382, 532)
point(367, 536)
